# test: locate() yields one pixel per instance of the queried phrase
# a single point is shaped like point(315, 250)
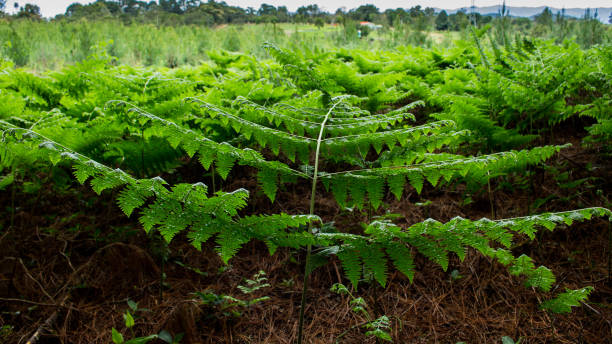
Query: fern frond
point(180, 208)
point(402, 258)
point(351, 263)
point(433, 170)
point(435, 240)
point(564, 302)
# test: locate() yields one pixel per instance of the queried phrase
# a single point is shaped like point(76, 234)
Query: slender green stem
point(312, 205)
point(13, 196)
point(610, 252)
point(142, 154)
point(337, 341)
point(212, 174)
point(490, 195)
point(162, 271)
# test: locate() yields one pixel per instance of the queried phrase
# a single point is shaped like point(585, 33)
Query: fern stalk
point(485, 61)
point(212, 175)
point(13, 195)
point(610, 252)
point(312, 205)
point(162, 272)
point(142, 153)
point(490, 195)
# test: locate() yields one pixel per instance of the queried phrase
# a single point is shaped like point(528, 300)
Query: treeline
point(197, 12)
point(210, 13)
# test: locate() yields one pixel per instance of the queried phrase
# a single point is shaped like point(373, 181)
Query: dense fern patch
point(371, 128)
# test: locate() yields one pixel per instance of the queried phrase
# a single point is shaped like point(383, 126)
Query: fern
point(170, 211)
point(338, 114)
point(416, 174)
point(350, 145)
point(564, 302)
point(436, 240)
point(223, 155)
point(261, 114)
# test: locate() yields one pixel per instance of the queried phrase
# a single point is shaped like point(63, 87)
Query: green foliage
point(259, 281)
point(168, 210)
point(229, 306)
point(130, 322)
point(16, 48)
point(509, 340)
point(378, 328)
point(378, 123)
point(564, 302)
point(435, 240)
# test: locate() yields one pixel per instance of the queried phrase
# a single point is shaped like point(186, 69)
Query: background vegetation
point(174, 33)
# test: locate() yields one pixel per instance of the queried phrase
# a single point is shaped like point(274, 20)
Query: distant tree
point(319, 22)
point(282, 13)
point(308, 13)
point(421, 20)
point(365, 13)
point(390, 16)
point(591, 31)
point(562, 28)
point(96, 10)
point(178, 6)
point(29, 11)
point(73, 9)
point(610, 18)
point(170, 6)
point(458, 21)
point(113, 7)
point(131, 7)
point(266, 10)
point(429, 12)
point(442, 23)
point(2, 5)
point(545, 18)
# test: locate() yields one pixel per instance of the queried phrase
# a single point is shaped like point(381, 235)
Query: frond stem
point(312, 205)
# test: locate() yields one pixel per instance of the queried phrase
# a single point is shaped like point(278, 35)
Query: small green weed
point(130, 322)
point(229, 306)
point(379, 328)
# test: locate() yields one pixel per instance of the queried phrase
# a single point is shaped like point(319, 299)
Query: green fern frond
point(402, 258)
point(269, 181)
point(564, 302)
point(351, 263)
point(374, 262)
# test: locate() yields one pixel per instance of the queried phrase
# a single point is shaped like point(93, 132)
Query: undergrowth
point(369, 127)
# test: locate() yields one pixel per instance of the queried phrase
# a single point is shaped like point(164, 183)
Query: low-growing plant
point(229, 306)
point(378, 328)
point(130, 321)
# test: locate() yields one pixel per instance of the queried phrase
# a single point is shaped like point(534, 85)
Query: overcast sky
point(50, 8)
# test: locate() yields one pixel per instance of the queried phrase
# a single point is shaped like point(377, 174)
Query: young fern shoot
point(312, 206)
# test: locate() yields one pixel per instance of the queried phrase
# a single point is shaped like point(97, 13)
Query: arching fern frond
point(436, 240)
point(473, 169)
point(169, 210)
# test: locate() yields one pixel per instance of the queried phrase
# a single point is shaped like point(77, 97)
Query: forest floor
point(72, 260)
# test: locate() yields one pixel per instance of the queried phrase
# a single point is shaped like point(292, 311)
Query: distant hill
point(603, 12)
